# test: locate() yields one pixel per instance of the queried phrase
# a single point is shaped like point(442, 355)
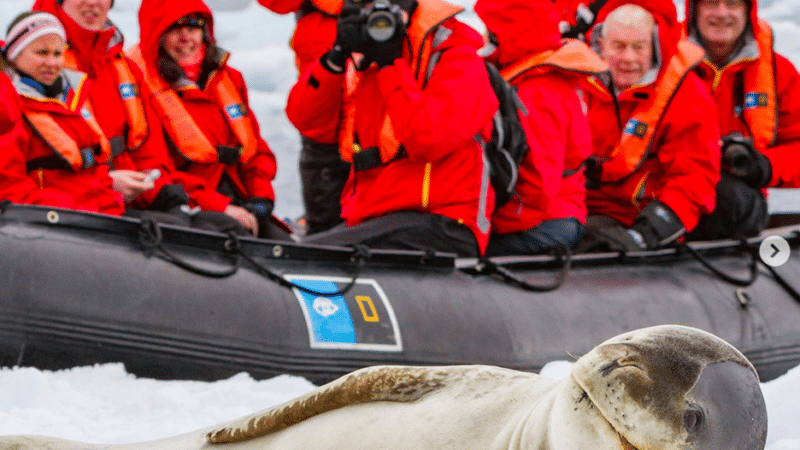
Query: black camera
point(381, 20)
point(737, 154)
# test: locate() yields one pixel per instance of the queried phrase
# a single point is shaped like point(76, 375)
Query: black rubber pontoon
point(79, 288)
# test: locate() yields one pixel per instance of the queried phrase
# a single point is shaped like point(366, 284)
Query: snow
point(105, 404)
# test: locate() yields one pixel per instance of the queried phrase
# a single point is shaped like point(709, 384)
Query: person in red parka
point(54, 153)
point(95, 47)
point(412, 127)
point(215, 143)
point(322, 172)
point(548, 209)
point(757, 92)
point(655, 146)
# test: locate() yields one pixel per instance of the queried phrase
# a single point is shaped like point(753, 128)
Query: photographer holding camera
point(755, 90)
point(409, 99)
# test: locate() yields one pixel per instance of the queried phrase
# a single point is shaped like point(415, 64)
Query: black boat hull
point(79, 289)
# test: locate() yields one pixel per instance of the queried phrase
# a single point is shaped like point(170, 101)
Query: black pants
point(741, 211)
point(322, 175)
point(404, 230)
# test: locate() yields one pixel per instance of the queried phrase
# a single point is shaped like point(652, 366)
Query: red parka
point(251, 179)
point(26, 175)
point(681, 168)
point(314, 33)
point(95, 53)
point(444, 171)
point(557, 125)
point(778, 136)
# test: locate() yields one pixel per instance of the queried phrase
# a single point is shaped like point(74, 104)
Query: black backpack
point(509, 144)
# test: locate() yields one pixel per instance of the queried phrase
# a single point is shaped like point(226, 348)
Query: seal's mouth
point(625, 444)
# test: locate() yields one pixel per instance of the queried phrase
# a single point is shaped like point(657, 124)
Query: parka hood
point(156, 16)
point(81, 40)
point(521, 27)
point(666, 18)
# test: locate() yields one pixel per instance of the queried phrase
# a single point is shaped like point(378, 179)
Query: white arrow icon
point(774, 251)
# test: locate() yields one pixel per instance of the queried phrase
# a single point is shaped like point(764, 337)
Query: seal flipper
point(373, 384)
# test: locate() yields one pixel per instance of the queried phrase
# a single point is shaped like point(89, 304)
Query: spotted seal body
point(659, 388)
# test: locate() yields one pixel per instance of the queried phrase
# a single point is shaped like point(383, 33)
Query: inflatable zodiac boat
point(79, 288)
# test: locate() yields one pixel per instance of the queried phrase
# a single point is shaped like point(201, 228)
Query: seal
point(659, 388)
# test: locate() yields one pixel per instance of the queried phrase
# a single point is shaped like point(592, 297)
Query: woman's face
point(184, 44)
point(90, 14)
point(42, 59)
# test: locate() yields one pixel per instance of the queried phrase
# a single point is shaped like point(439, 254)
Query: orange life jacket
point(760, 108)
point(128, 93)
point(423, 33)
point(66, 147)
point(639, 132)
point(189, 139)
point(572, 56)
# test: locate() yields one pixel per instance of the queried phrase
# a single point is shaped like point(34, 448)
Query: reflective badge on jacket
point(756, 100)
point(236, 111)
point(635, 128)
point(127, 91)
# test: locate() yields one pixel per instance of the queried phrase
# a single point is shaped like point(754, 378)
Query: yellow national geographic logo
point(368, 310)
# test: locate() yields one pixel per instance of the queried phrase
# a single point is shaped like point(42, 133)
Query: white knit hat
point(29, 29)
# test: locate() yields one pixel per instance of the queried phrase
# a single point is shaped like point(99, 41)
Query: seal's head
point(675, 388)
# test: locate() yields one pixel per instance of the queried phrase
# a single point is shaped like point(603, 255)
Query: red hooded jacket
point(251, 179)
point(87, 189)
point(95, 52)
point(444, 171)
point(779, 139)
point(681, 168)
point(556, 125)
point(314, 33)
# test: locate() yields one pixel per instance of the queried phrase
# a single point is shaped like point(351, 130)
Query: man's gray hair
point(629, 15)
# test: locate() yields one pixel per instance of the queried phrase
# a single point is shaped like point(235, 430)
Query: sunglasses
point(189, 21)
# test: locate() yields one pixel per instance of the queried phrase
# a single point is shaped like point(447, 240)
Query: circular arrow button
point(774, 251)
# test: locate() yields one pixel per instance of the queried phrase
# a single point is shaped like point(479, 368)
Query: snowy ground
point(107, 405)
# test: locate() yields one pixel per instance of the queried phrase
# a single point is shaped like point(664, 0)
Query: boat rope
point(562, 255)
point(360, 255)
point(784, 284)
point(744, 245)
point(150, 237)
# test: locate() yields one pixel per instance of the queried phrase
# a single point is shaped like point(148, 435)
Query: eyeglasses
point(730, 4)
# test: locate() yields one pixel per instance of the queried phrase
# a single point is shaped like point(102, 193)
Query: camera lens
point(381, 26)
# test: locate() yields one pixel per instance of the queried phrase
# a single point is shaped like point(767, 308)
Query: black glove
point(741, 159)
point(349, 37)
point(613, 239)
point(169, 196)
point(656, 226)
point(385, 52)
point(262, 209)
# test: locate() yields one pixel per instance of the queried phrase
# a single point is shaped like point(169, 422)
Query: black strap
point(151, 239)
point(360, 254)
point(117, 144)
point(562, 255)
point(370, 158)
point(753, 264)
point(227, 154)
